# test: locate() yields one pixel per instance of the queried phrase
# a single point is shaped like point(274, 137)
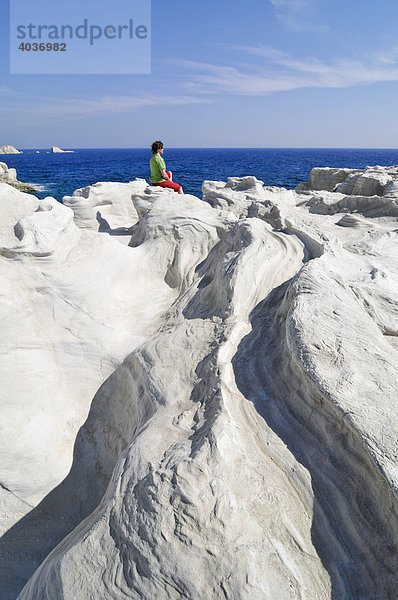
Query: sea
point(60, 175)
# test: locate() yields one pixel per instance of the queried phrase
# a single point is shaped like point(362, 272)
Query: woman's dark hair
point(156, 146)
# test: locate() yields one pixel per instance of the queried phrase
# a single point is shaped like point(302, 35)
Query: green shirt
point(157, 164)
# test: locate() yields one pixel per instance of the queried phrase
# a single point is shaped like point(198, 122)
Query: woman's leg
point(169, 184)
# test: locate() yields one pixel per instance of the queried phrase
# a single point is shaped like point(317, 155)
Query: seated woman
point(159, 175)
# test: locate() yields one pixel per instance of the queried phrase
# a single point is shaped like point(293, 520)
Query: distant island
point(56, 150)
point(9, 150)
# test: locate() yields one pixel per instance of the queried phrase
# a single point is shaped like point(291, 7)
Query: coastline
point(61, 175)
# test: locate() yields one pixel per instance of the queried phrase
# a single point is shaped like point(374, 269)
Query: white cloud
point(71, 108)
point(290, 5)
point(298, 14)
point(279, 71)
point(388, 57)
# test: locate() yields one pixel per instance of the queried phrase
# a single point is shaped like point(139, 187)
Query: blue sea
point(59, 175)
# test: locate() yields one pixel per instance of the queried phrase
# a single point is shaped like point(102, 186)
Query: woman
point(159, 175)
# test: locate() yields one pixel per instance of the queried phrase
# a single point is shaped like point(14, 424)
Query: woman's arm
point(163, 173)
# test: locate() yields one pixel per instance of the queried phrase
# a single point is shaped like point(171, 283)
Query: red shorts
point(169, 184)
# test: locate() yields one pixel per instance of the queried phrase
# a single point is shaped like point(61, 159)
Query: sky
point(252, 73)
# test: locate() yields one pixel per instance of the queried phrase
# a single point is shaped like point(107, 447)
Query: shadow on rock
point(353, 536)
point(107, 431)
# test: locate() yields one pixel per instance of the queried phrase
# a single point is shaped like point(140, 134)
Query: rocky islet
point(9, 150)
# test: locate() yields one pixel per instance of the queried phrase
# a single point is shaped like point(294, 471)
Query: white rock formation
point(372, 191)
point(247, 197)
point(9, 150)
point(233, 374)
point(366, 182)
point(56, 150)
point(106, 207)
point(9, 176)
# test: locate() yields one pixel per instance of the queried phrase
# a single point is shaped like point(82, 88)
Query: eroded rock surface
point(106, 207)
point(232, 371)
point(9, 176)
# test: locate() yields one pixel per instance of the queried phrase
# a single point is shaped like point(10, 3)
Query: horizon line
point(220, 148)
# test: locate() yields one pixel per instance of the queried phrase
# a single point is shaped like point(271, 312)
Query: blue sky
point(259, 73)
